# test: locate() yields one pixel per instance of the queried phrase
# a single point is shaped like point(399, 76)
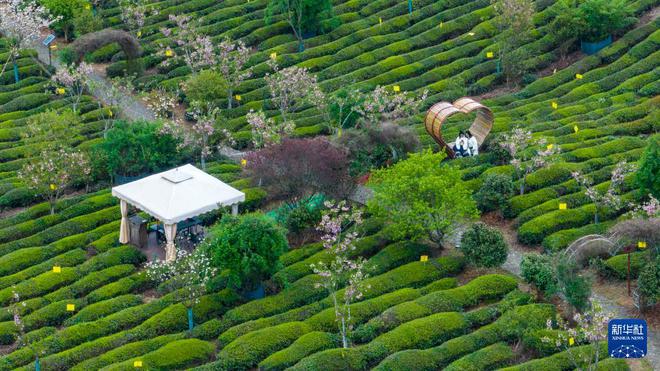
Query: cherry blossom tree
point(186, 277)
point(21, 22)
point(518, 145)
point(292, 88)
point(266, 131)
point(610, 198)
point(54, 171)
point(195, 49)
point(648, 209)
point(162, 103)
point(196, 137)
point(134, 13)
point(342, 270)
point(230, 61)
point(590, 328)
point(387, 105)
point(15, 308)
point(72, 81)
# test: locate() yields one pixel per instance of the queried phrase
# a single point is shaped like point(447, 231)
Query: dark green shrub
point(648, 283)
point(539, 271)
point(248, 246)
point(136, 148)
point(484, 246)
point(648, 174)
point(495, 192)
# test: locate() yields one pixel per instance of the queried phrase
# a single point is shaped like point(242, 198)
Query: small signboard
point(70, 307)
point(137, 364)
point(57, 269)
point(563, 206)
point(627, 338)
point(49, 39)
point(424, 258)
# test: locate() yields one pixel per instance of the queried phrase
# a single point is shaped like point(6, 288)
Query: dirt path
point(131, 107)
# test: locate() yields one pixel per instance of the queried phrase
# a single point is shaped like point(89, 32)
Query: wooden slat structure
point(440, 112)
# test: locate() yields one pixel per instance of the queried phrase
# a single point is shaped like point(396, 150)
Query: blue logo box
point(627, 338)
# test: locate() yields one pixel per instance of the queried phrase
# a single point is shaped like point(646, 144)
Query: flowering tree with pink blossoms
point(387, 105)
point(53, 171)
point(292, 88)
point(21, 22)
point(15, 308)
point(194, 49)
point(342, 270)
point(72, 81)
point(517, 144)
point(590, 329)
point(230, 60)
point(134, 12)
point(266, 131)
point(186, 276)
point(610, 198)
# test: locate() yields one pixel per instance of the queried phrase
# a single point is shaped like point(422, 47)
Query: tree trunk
point(230, 99)
point(203, 160)
point(52, 207)
point(17, 78)
point(522, 186)
point(191, 324)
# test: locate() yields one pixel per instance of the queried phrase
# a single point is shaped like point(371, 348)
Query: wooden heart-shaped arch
point(440, 112)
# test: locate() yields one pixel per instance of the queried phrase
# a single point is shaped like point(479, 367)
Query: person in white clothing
point(461, 145)
point(473, 145)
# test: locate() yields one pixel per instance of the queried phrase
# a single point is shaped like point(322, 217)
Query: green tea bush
point(310, 343)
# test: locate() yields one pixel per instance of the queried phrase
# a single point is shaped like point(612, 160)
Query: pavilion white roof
point(178, 194)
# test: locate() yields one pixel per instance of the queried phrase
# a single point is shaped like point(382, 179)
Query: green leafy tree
point(495, 192)
point(66, 10)
point(600, 18)
point(538, 270)
point(588, 20)
point(484, 246)
point(648, 174)
point(421, 197)
point(515, 26)
point(248, 246)
point(205, 89)
point(575, 287)
point(135, 148)
point(303, 16)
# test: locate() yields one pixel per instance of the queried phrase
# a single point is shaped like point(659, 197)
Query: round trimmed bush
point(484, 246)
point(494, 193)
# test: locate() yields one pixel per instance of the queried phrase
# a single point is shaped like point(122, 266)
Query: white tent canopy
point(173, 196)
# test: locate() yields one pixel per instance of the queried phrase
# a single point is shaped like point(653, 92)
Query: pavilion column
point(170, 249)
point(123, 227)
point(234, 209)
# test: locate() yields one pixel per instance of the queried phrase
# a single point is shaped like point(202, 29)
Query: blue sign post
point(627, 338)
point(47, 41)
